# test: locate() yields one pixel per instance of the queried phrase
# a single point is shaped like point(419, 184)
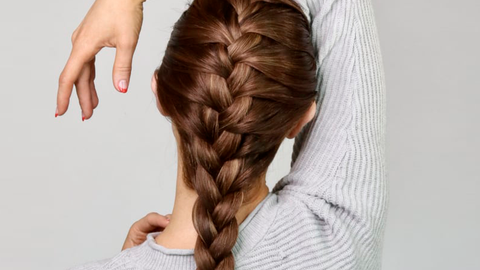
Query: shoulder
point(303, 4)
point(295, 204)
point(93, 265)
point(121, 261)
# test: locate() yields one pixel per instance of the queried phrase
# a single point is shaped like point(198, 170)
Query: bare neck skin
point(180, 232)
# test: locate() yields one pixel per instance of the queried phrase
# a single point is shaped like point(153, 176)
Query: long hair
point(236, 77)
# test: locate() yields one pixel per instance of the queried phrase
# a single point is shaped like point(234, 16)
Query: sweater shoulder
point(121, 261)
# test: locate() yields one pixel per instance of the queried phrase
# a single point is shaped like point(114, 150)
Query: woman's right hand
point(150, 223)
point(108, 23)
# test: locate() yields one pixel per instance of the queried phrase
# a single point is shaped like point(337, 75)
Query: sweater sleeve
point(338, 161)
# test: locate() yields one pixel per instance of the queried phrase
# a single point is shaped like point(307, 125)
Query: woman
point(237, 78)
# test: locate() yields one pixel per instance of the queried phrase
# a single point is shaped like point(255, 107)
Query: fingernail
point(83, 116)
point(122, 85)
point(56, 112)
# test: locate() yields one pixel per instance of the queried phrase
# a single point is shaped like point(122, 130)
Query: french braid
point(236, 76)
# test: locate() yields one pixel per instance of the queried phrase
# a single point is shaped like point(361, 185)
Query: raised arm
point(338, 165)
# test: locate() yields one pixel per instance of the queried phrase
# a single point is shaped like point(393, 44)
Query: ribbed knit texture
point(329, 212)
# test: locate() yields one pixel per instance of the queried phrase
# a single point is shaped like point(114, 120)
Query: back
point(329, 212)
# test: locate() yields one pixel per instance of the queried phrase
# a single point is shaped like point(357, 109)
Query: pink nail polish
point(122, 86)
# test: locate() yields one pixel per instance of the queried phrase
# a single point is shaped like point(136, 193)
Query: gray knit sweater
point(329, 212)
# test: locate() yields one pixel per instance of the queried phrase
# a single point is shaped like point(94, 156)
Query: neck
point(180, 232)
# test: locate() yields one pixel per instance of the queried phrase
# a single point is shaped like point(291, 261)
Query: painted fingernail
point(83, 116)
point(56, 112)
point(122, 85)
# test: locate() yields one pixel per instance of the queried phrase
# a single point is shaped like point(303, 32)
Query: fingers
point(70, 74)
point(84, 92)
point(122, 67)
point(93, 90)
point(139, 230)
point(151, 222)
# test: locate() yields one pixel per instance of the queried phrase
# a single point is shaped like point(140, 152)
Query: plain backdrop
point(69, 190)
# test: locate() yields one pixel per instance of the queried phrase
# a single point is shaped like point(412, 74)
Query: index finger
point(78, 57)
point(151, 222)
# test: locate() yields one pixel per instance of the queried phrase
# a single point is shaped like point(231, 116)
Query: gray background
point(69, 190)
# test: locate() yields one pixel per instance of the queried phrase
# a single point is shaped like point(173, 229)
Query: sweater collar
point(251, 231)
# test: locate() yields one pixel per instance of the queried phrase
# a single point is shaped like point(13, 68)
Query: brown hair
point(236, 77)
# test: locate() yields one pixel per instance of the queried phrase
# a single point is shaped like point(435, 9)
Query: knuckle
point(151, 215)
point(122, 68)
point(74, 36)
point(133, 227)
point(64, 79)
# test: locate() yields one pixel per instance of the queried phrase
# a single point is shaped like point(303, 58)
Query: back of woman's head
point(236, 77)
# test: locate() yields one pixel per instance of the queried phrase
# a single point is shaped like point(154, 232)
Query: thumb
point(122, 68)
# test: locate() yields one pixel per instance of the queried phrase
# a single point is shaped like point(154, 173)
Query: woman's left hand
point(150, 223)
